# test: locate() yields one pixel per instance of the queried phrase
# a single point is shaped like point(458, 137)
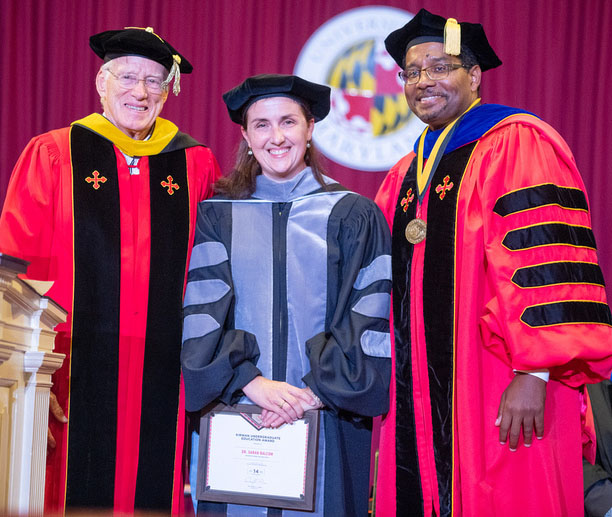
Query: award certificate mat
point(242, 462)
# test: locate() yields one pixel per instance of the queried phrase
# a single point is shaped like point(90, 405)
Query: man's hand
point(56, 410)
point(522, 406)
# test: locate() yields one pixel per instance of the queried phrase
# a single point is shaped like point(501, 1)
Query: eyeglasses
point(128, 81)
point(435, 72)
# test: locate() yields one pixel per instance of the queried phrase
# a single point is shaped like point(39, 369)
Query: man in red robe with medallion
point(499, 307)
point(106, 209)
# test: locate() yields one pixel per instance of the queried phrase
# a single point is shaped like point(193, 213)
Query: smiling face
point(132, 110)
point(277, 131)
point(438, 103)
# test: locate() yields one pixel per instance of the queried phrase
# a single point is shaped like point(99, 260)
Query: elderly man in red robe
point(500, 314)
point(106, 209)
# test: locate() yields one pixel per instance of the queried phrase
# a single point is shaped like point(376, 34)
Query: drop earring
point(250, 152)
point(308, 145)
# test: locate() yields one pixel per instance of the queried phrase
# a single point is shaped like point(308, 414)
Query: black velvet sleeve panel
point(343, 375)
point(217, 364)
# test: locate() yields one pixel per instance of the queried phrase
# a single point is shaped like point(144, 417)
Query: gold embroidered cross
point(96, 180)
point(405, 202)
point(443, 189)
point(170, 185)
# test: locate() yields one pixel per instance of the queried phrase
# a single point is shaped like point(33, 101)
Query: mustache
point(430, 93)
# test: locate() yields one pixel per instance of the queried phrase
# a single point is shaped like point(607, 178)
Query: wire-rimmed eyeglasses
point(435, 72)
point(128, 81)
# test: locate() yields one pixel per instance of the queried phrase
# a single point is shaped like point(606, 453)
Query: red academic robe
point(488, 243)
point(39, 224)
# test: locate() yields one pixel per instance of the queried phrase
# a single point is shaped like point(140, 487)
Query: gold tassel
point(452, 37)
point(174, 70)
point(176, 73)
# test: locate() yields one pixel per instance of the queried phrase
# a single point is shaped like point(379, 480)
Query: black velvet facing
point(558, 273)
point(540, 195)
point(95, 324)
point(548, 234)
point(161, 372)
point(438, 313)
point(280, 216)
point(567, 312)
point(409, 497)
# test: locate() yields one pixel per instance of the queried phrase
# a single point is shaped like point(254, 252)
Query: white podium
point(27, 361)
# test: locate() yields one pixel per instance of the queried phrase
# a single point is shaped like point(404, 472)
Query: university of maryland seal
point(370, 126)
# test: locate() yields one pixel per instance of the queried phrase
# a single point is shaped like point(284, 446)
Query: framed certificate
point(242, 462)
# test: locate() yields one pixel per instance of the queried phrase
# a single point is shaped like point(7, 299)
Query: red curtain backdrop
point(557, 58)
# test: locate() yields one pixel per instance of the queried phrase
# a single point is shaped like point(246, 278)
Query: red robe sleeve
point(575, 352)
point(27, 221)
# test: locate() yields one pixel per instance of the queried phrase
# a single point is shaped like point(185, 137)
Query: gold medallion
point(416, 231)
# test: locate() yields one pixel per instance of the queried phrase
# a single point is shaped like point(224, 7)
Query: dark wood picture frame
point(205, 493)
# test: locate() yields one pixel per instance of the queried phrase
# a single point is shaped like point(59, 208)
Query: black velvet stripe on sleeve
point(558, 273)
point(95, 322)
point(540, 195)
point(161, 370)
point(409, 497)
point(567, 312)
point(438, 311)
point(548, 234)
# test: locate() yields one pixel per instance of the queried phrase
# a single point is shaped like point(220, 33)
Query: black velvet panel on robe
point(95, 323)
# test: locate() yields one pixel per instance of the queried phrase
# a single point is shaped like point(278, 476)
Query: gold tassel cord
point(175, 73)
point(150, 30)
point(452, 37)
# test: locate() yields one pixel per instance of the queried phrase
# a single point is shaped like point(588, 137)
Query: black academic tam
point(426, 26)
point(137, 41)
point(315, 96)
